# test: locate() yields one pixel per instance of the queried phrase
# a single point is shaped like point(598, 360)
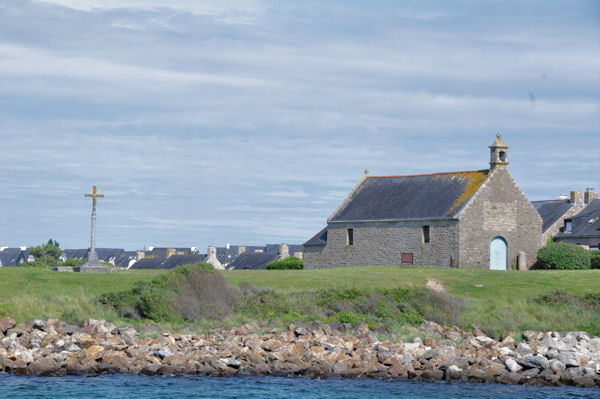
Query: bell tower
point(498, 152)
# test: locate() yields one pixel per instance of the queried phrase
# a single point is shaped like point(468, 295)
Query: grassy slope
point(497, 301)
point(27, 293)
point(502, 303)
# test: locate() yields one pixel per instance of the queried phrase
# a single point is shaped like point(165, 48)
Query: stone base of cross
point(92, 257)
point(93, 264)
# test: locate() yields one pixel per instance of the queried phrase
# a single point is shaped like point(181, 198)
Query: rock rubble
point(54, 348)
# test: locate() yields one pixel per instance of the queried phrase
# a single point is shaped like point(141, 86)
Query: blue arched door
point(498, 249)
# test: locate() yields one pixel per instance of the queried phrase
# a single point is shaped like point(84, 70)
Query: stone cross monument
point(92, 255)
point(93, 264)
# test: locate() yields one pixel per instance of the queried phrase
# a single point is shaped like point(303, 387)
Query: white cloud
point(21, 61)
point(227, 11)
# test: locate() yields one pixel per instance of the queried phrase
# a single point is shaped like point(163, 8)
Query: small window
point(425, 234)
point(568, 225)
point(407, 258)
point(350, 237)
point(502, 156)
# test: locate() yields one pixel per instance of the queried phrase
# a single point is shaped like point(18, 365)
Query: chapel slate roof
point(436, 195)
point(318, 239)
point(586, 223)
point(252, 261)
point(551, 211)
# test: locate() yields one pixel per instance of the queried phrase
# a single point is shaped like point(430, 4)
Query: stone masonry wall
point(382, 243)
point(314, 257)
point(499, 209)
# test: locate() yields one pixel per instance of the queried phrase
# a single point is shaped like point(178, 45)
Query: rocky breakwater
point(54, 348)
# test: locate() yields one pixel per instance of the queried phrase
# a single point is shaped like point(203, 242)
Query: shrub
point(72, 262)
point(289, 263)
point(437, 306)
point(349, 317)
point(379, 308)
point(189, 292)
point(563, 256)
point(595, 259)
point(46, 255)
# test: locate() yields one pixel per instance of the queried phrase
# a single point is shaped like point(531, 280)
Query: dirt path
point(435, 285)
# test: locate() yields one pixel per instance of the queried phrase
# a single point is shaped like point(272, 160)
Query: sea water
point(124, 386)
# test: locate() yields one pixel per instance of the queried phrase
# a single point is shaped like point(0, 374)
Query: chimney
point(212, 258)
point(171, 252)
point(589, 195)
point(151, 248)
point(284, 251)
point(298, 254)
point(240, 250)
point(577, 198)
point(23, 248)
point(212, 252)
point(140, 255)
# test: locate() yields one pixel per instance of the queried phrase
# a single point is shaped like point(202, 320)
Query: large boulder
point(5, 324)
point(534, 361)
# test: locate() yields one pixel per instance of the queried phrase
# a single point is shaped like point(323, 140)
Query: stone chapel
point(471, 219)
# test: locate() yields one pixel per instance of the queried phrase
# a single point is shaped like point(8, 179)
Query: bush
point(595, 259)
point(72, 262)
point(349, 317)
point(379, 308)
point(563, 256)
point(289, 263)
point(189, 292)
point(46, 255)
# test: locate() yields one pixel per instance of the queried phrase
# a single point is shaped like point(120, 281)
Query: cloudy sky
point(206, 122)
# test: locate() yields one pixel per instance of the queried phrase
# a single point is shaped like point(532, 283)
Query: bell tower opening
point(498, 151)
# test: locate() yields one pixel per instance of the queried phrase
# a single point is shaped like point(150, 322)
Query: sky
point(247, 122)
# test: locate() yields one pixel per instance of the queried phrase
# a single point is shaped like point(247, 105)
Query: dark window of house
point(568, 225)
point(425, 234)
point(502, 156)
point(350, 236)
point(407, 258)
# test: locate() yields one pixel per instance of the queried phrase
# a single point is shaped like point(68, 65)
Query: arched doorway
point(498, 250)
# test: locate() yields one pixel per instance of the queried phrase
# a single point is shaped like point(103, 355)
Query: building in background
point(583, 228)
point(554, 212)
point(470, 219)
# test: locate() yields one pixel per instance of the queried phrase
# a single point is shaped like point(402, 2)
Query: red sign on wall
point(407, 258)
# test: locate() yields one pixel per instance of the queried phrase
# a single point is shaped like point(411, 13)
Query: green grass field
point(460, 282)
point(27, 293)
point(498, 301)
